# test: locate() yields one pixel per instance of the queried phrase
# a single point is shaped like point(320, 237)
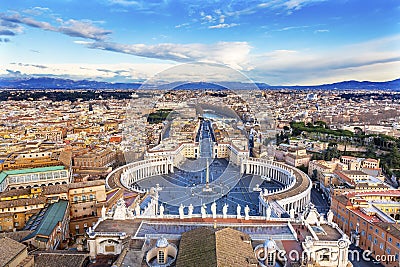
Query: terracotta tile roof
point(9, 249)
point(54, 189)
point(22, 202)
point(366, 217)
point(210, 247)
point(342, 199)
point(391, 228)
point(393, 192)
point(45, 259)
point(234, 248)
point(17, 236)
point(86, 184)
point(15, 192)
point(197, 248)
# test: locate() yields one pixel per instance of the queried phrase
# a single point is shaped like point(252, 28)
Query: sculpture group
point(203, 211)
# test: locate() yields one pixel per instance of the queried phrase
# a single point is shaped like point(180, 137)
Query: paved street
point(319, 201)
point(360, 262)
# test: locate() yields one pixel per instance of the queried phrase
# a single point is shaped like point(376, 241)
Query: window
point(369, 237)
point(376, 231)
point(383, 235)
point(390, 240)
point(161, 256)
point(109, 248)
point(375, 241)
point(388, 250)
point(381, 246)
point(363, 233)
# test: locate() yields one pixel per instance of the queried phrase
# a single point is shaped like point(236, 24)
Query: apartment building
point(371, 219)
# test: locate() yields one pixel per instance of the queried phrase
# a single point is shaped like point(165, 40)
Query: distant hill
point(347, 85)
point(57, 83)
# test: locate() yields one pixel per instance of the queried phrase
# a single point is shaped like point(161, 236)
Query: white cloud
point(75, 28)
point(108, 72)
point(83, 29)
point(321, 31)
point(223, 25)
point(312, 67)
point(292, 28)
point(125, 2)
point(234, 54)
point(182, 25)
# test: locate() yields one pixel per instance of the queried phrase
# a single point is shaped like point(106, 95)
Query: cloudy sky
point(282, 42)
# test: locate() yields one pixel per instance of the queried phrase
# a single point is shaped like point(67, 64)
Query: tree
point(394, 157)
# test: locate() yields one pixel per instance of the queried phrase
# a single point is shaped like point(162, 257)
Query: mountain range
point(58, 83)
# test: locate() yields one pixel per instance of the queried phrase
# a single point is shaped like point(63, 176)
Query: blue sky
point(277, 42)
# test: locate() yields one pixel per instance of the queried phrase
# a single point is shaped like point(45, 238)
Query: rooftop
point(50, 259)
point(45, 224)
point(206, 246)
point(9, 250)
point(4, 174)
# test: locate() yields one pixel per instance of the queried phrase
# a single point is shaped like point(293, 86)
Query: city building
point(33, 177)
point(14, 253)
point(97, 157)
point(50, 226)
point(371, 219)
point(195, 240)
point(86, 201)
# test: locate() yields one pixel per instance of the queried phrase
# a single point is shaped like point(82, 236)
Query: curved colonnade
point(294, 195)
point(128, 174)
point(296, 192)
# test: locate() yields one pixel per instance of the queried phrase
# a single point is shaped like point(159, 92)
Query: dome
point(270, 244)
point(162, 242)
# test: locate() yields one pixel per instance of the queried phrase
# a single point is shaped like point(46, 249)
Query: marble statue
point(268, 212)
point(181, 211)
point(330, 216)
point(291, 213)
point(103, 212)
point(246, 212)
point(238, 209)
point(190, 211)
point(225, 211)
point(137, 210)
point(161, 211)
point(214, 210)
point(321, 219)
point(203, 211)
